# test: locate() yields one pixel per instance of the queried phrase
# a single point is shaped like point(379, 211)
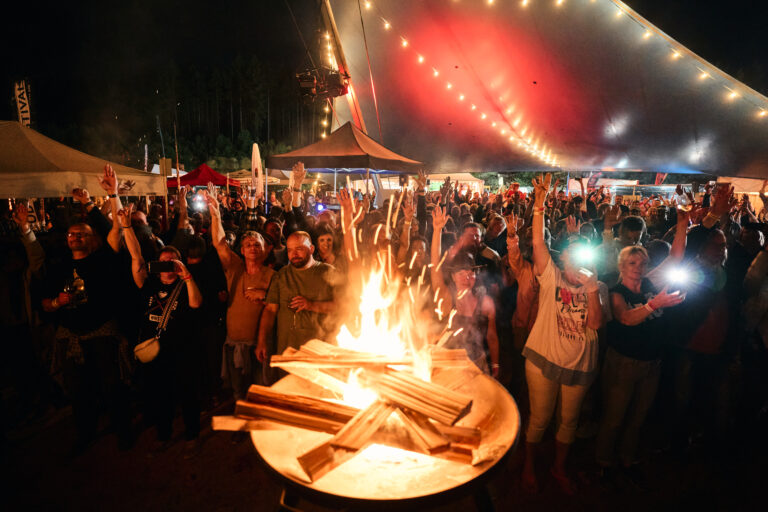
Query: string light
point(461, 97)
point(326, 109)
point(367, 5)
point(483, 116)
point(732, 95)
point(474, 107)
point(448, 85)
point(676, 55)
point(387, 25)
point(647, 34)
point(323, 135)
point(435, 72)
point(324, 122)
point(704, 75)
point(559, 2)
point(421, 59)
point(762, 113)
point(619, 13)
point(404, 42)
point(524, 3)
point(327, 36)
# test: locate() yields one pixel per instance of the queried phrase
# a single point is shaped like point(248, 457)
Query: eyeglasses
point(78, 235)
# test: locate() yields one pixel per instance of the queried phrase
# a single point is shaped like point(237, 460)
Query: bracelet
point(189, 276)
point(648, 306)
point(112, 196)
point(494, 365)
point(409, 222)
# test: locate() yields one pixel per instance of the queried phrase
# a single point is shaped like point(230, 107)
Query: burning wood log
point(423, 432)
point(296, 410)
point(323, 458)
point(358, 431)
point(410, 392)
point(318, 354)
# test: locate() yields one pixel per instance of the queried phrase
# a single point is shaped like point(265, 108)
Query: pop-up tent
point(32, 165)
point(578, 85)
point(201, 176)
point(346, 150)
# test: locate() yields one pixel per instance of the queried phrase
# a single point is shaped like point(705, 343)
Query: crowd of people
point(590, 309)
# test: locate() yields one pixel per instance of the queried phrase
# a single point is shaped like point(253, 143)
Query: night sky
point(77, 54)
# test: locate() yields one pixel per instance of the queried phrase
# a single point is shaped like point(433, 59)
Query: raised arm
point(514, 256)
point(541, 256)
point(110, 185)
point(217, 229)
point(138, 266)
point(681, 236)
point(405, 235)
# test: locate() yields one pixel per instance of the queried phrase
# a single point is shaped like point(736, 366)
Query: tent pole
point(334, 182)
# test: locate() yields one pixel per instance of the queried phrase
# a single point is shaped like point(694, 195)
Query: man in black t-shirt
point(89, 353)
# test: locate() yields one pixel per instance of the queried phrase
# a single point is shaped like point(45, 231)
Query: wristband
point(648, 306)
point(112, 196)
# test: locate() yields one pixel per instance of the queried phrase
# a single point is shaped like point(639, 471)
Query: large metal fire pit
point(377, 474)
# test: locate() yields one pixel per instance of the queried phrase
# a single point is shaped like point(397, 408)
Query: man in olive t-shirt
point(300, 297)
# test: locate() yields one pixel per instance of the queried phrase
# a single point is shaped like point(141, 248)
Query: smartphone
point(155, 267)
point(586, 272)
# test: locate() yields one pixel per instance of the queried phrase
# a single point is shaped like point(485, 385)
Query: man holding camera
point(89, 353)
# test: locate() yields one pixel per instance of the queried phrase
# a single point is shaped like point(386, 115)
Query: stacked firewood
point(427, 411)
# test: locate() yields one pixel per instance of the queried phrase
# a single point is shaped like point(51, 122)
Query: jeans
point(543, 394)
point(629, 389)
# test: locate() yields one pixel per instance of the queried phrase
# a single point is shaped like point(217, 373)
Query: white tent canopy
point(32, 165)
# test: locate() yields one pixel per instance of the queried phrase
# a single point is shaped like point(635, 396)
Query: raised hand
point(109, 180)
point(287, 198)
point(612, 217)
point(347, 209)
point(723, 200)
point(213, 203)
point(421, 182)
point(408, 209)
point(666, 300)
point(588, 279)
point(81, 195)
point(439, 218)
point(20, 212)
point(541, 186)
point(124, 215)
point(299, 173)
point(511, 225)
point(183, 197)
point(573, 225)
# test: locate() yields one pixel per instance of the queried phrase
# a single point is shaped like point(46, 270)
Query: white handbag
point(147, 350)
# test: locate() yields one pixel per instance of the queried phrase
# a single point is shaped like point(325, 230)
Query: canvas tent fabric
point(507, 86)
point(201, 176)
point(348, 150)
point(32, 165)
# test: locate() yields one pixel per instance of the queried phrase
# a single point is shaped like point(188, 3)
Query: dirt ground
point(40, 473)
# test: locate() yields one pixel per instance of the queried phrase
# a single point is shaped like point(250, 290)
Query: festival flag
point(21, 91)
point(660, 177)
point(257, 178)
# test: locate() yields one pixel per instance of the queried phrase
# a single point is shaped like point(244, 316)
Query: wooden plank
point(410, 392)
point(249, 410)
point(423, 432)
point(461, 435)
point(323, 458)
point(306, 404)
point(232, 423)
point(358, 431)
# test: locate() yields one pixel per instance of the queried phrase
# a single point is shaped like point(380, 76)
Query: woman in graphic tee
point(561, 351)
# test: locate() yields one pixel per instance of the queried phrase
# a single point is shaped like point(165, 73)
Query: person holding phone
point(172, 377)
point(562, 349)
point(632, 366)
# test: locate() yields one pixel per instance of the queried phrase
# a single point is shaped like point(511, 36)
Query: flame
point(387, 327)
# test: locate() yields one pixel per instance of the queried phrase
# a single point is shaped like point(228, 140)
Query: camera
point(155, 267)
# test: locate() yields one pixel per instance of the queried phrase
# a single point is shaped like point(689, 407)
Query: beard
point(300, 262)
